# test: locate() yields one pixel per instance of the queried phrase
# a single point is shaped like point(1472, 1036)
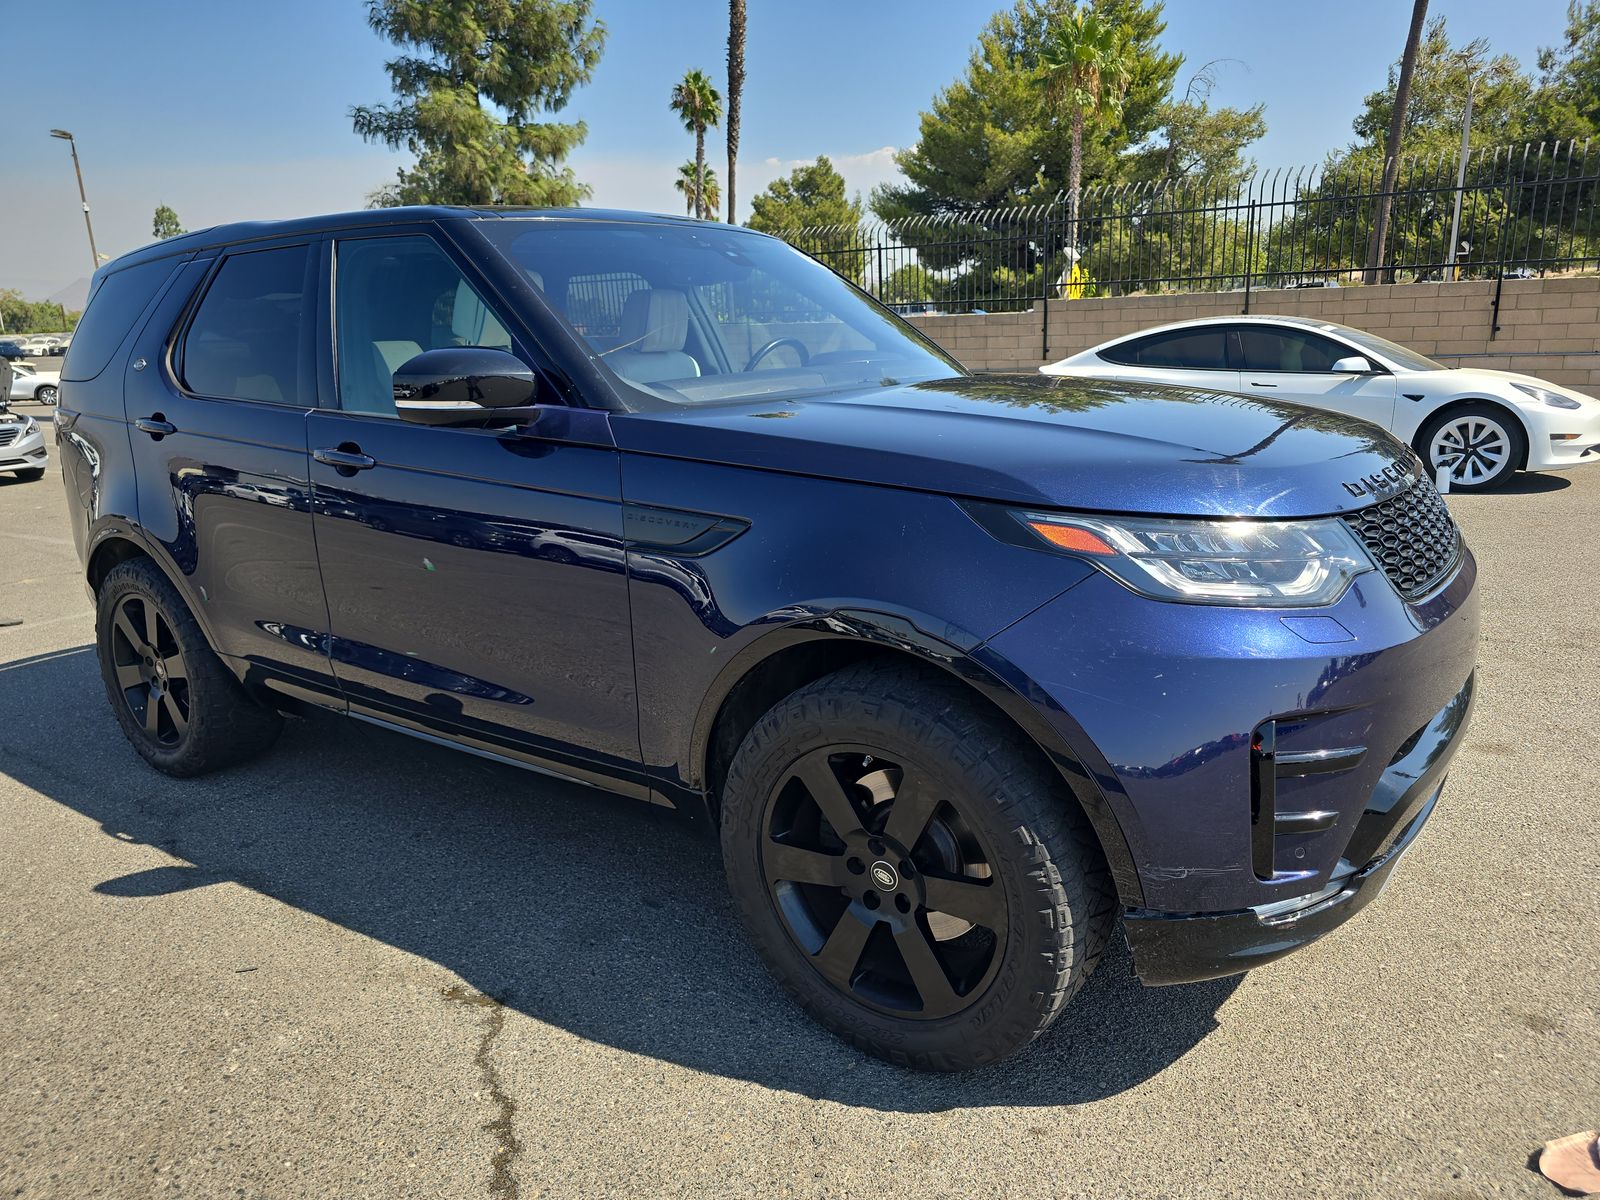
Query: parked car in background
point(22, 448)
point(1482, 426)
point(960, 668)
point(38, 345)
point(33, 383)
point(12, 349)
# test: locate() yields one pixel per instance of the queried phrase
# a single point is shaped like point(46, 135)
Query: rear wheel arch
point(123, 545)
point(111, 552)
point(807, 653)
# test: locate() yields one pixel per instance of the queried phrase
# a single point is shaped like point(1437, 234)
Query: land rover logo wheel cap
point(885, 876)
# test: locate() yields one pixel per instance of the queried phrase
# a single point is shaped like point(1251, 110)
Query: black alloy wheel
point(883, 884)
point(180, 706)
point(913, 870)
point(151, 671)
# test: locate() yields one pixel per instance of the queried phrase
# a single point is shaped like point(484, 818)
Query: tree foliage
point(699, 106)
point(1512, 197)
point(813, 197)
point(19, 316)
point(166, 224)
point(1084, 70)
point(988, 138)
point(472, 81)
point(991, 140)
point(688, 184)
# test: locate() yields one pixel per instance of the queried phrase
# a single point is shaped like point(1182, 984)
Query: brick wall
point(1548, 327)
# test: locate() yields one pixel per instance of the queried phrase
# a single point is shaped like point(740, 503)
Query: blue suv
point(962, 669)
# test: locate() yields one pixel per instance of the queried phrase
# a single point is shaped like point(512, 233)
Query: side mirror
point(1356, 364)
point(462, 385)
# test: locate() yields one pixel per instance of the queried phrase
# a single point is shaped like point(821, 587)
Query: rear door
point(217, 390)
point(475, 576)
point(1284, 363)
point(1192, 357)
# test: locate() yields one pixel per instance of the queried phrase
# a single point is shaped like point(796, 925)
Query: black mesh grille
point(8, 434)
point(1410, 536)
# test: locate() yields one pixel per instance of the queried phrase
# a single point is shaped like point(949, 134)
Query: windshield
point(1403, 357)
point(690, 314)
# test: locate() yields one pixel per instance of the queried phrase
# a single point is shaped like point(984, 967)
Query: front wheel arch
point(1503, 410)
point(797, 655)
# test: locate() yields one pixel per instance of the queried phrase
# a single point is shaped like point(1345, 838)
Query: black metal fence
point(1515, 211)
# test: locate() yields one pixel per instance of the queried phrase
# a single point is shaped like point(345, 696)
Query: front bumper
point(1188, 947)
point(25, 453)
point(1560, 438)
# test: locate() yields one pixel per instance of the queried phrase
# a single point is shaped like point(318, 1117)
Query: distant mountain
point(73, 297)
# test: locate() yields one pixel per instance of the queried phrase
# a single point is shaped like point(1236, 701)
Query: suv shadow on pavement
point(601, 916)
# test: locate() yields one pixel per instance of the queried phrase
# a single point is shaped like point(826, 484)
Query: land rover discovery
point(964, 670)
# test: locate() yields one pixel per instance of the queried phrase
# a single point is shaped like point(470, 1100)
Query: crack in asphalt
point(502, 1183)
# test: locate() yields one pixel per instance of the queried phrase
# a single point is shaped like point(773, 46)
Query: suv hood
point(1050, 441)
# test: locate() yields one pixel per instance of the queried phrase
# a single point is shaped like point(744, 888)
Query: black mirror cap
point(461, 385)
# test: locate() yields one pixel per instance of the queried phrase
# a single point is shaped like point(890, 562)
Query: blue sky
point(233, 111)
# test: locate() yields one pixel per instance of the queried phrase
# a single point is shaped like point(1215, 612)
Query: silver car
point(22, 449)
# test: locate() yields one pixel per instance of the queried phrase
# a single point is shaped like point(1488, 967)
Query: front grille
point(8, 434)
point(1410, 536)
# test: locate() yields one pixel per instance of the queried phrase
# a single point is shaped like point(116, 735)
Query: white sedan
point(32, 383)
point(1481, 425)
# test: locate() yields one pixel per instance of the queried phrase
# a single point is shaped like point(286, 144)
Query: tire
point(204, 719)
point(1497, 446)
point(30, 474)
point(1005, 878)
point(48, 394)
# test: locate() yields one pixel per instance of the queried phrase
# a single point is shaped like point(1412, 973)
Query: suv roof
point(249, 231)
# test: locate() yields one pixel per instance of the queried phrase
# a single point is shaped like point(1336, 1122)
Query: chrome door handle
point(155, 426)
point(1258, 383)
point(344, 459)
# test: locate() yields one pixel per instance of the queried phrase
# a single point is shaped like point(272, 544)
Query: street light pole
point(94, 254)
point(1461, 181)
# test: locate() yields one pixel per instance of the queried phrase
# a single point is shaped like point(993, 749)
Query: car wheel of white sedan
point(46, 394)
point(1480, 445)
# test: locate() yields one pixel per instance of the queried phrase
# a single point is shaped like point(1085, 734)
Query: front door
point(1296, 365)
point(475, 576)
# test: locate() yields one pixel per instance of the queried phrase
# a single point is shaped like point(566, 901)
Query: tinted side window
point(247, 339)
point(1187, 349)
point(399, 296)
point(117, 303)
point(1288, 350)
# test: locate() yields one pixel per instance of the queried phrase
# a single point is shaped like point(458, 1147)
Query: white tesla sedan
point(1482, 425)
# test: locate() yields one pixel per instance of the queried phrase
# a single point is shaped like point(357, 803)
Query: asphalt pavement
point(366, 966)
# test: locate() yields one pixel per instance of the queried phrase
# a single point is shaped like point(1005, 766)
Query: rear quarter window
point(114, 308)
point(1185, 349)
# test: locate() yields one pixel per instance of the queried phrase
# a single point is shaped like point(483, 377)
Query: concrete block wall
point(1548, 327)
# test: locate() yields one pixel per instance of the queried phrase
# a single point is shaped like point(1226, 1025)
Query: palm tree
point(735, 90)
point(700, 106)
point(685, 183)
point(1391, 147)
point(1085, 66)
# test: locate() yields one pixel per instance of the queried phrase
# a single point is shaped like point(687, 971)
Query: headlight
point(28, 426)
point(1247, 563)
point(1546, 396)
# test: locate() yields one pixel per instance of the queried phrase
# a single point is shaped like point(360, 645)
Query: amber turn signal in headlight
point(1276, 564)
